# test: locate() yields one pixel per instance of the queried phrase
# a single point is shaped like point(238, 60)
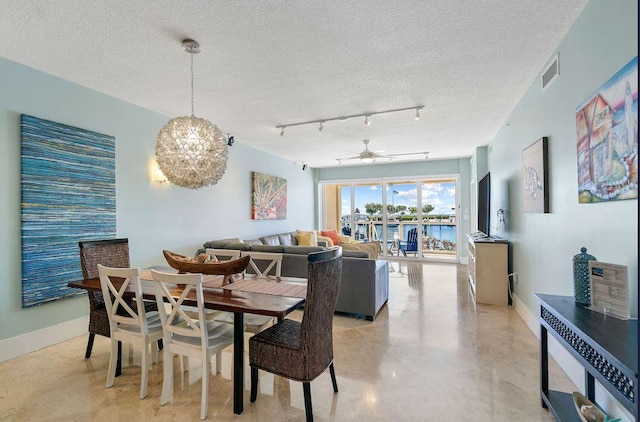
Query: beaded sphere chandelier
point(191, 151)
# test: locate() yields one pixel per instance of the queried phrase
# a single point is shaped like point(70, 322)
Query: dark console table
point(607, 347)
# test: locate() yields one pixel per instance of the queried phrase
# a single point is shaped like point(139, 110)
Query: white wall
point(153, 216)
point(603, 39)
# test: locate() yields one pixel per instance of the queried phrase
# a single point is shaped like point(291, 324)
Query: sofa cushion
point(307, 239)
point(222, 244)
point(332, 234)
point(286, 239)
point(303, 250)
point(267, 248)
point(355, 254)
point(373, 248)
point(314, 236)
point(325, 241)
point(253, 242)
point(271, 239)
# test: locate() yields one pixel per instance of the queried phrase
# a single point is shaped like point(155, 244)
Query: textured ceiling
point(270, 62)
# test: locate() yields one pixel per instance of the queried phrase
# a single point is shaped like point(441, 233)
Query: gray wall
point(152, 215)
point(432, 168)
point(603, 39)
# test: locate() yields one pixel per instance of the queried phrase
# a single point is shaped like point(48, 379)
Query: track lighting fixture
point(230, 140)
point(304, 166)
point(367, 118)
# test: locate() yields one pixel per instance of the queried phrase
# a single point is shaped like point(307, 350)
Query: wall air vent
point(551, 73)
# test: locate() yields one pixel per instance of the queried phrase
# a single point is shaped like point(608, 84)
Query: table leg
point(590, 386)
point(238, 362)
point(544, 364)
point(119, 360)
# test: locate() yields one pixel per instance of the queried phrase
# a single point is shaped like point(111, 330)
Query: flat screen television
point(484, 204)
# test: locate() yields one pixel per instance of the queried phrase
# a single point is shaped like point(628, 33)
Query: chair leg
point(306, 387)
point(92, 337)
point(113, 358)
point(218, 363)
point(254, 384)
point(167, 383)
point(144, 368)
point(204, 400)
point(160, 344)
point(333, 378)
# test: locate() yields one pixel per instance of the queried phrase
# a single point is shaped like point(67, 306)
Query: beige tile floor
point(431, 355)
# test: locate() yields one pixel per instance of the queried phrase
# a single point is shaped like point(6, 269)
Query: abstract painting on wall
point(68, 194)
point(535, 177)
point(607, 132)
point(269, 197)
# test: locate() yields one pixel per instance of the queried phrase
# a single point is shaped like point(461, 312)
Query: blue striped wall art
point(68, 195)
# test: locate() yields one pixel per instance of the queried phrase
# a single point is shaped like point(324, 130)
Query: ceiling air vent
point(551, 72)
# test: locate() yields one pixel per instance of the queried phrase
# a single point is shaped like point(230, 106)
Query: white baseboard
point(568, 364)
point(36, 340)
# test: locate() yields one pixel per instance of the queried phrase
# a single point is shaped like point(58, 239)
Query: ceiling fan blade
point(348, 158)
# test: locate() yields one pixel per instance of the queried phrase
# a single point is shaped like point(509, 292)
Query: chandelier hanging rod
point(417, 108)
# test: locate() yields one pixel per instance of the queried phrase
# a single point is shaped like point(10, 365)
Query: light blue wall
point(153, 216)
point(432, 168)
point(603, 39)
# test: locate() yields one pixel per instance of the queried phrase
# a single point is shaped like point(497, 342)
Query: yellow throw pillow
point(314, 241)
point(306, 239)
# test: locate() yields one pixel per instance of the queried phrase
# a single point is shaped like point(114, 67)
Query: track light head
point(282, 130)
point(304, 166)
point(321, 127)
point(230, 140)
point(418, 113)
point(366, 119)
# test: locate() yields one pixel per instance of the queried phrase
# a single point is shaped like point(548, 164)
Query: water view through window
point(408, 218)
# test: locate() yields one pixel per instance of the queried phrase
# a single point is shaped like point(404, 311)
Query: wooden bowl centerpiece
point(186, 264)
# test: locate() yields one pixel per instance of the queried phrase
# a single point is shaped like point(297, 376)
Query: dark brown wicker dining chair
point(110, 253)
point(302, 351)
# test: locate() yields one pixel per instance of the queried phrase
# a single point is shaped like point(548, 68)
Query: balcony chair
point(301, 351)
point(184, 336)
point(111, 253)
point(126, 323)
point(411, 244)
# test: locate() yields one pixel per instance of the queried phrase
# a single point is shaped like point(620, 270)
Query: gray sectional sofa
point(364, 286)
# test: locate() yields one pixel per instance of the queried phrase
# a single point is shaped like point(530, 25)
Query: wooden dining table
point(253, 296)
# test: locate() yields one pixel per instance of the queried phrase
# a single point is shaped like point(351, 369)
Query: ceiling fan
point(367, 156)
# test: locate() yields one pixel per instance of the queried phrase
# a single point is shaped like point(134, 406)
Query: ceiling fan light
point(368, 160)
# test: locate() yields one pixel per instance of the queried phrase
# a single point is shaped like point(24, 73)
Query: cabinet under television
point(488, 269)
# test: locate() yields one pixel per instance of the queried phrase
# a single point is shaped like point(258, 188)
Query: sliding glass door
point(411, 219)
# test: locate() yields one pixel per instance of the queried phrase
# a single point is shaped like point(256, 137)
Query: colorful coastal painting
point(68, 195)
point(269, 197)
point(535, 177)
point(607, 135)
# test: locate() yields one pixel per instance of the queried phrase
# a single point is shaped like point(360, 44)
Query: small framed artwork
point(535, 175)
point(269, 197)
